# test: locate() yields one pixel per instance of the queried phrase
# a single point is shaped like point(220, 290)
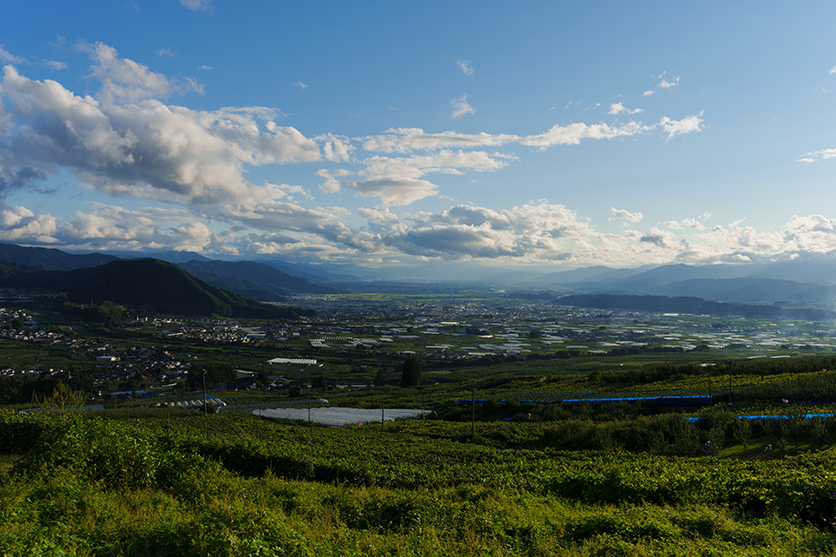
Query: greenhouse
point(338, 417)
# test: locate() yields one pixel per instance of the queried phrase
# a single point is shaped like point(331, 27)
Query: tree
point(216, 374)
point(106, 312)
point(411, 373)
point(319, 382)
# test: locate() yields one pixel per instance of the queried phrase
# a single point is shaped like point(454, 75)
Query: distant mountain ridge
point(52, 259)
point(254, 280)
point(688, 304)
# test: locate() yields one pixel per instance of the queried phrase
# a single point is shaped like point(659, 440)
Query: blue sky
point(378, 133)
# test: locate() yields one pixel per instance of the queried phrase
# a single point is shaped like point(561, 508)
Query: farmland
point(536, 465)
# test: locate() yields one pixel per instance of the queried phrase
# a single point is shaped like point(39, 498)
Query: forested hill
point(162, 287)
point(688, 304)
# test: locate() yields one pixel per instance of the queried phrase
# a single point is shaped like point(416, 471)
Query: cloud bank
point(183, 178)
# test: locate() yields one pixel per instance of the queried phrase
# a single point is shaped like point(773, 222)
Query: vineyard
point(161, 482)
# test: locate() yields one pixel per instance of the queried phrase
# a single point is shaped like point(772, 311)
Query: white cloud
point(300, 85)
point(126, 141)
point(833, 70)
point(198, 5)
point(205, 68)
point(816, 156)
point(668, 84)
point(6, 56)
point(460, 107)
point(378, 216)
point(693, 223)
point(394, 191)
point(165, 52)
point(648, 93)
point(405, 140)
point(335, 148)
point(678, 127)
point(618, 108)
point(146, 148)
point(622, 214)
point(659, 238)
point(465, 67)
point(53, 64)
point(330, 185)
point(672, 224)
point(124, 80)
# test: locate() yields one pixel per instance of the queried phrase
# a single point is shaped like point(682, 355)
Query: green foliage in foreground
point(85, 485)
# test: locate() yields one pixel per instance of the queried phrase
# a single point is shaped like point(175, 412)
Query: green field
point(521, 472)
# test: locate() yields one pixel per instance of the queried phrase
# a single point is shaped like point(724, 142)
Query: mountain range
point(807, 280)
point(253, 280)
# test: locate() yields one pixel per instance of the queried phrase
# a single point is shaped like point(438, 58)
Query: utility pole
point(204, 393)
point(729, 386)
point(729, 365)
point(473, 418)
point(709, 381)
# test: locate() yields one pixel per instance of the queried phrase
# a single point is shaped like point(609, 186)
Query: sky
point(552, 135)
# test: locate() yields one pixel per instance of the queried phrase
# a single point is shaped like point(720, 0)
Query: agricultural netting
point(339, 417)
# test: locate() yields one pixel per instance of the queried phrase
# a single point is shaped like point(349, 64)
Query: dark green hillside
point(60, 281)
point(254, 280)
point(9, 269)
point(165, 288)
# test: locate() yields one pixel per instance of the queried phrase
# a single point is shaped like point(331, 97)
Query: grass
point(190, 487)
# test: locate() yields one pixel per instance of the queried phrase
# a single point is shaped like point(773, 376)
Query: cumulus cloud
point(538, 230)
point(147, 148)
point(19, 224)
point(618, 108)
point(659, 238)
point(25, 178)
point(460, 107)
point(395, 180)
point(648, 93)
point(465, 67)
point(622, 214)
point(123, 80)
point(126, 140)
point(335, 148)
point(394, 191)
point(6, 56)
point(330, 185)
point(678, 127)
point(669, 84)
point(693, 223)
point(379, 216)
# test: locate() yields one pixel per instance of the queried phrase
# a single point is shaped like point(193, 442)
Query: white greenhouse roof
point(338, 417)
